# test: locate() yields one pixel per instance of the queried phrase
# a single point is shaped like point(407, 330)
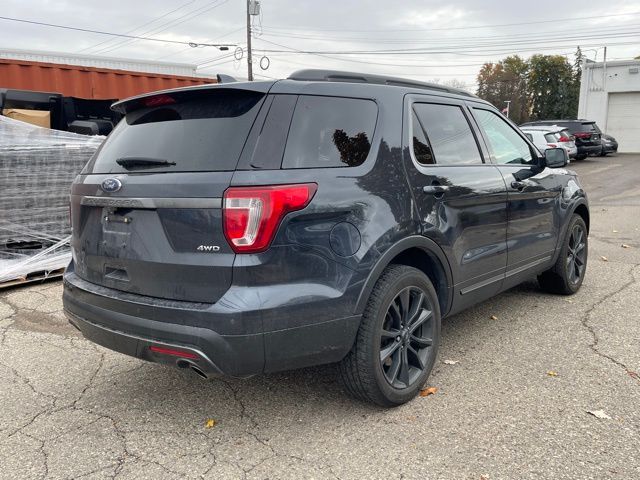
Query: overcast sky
point(432, 40)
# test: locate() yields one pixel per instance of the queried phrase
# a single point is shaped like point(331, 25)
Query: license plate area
point(116, 232)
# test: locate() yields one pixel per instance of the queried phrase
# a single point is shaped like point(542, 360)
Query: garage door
point(624, 120)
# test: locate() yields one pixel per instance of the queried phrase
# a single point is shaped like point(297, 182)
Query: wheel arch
point(581, 209)
point(418, 252)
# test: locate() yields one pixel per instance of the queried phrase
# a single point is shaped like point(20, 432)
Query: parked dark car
point(243, 228)
point(77, 115)
point(585, 133)
point(609, 144)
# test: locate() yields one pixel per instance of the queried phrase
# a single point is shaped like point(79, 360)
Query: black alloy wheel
point(576, 254)
point(397, 342)
point(567, 274)
point(406, 337)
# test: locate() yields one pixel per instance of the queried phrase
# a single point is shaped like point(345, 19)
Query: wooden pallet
point(33, 277)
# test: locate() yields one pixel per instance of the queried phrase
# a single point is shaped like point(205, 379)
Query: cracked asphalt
point(70, 409)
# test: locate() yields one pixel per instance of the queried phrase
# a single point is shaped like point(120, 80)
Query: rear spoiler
point(168, 96)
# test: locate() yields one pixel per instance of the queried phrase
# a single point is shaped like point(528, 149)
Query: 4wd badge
point(208, 248)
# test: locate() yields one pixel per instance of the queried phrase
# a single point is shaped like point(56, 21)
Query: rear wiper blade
point(140, 162)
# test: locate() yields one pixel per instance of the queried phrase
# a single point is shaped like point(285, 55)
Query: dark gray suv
point(242, 228)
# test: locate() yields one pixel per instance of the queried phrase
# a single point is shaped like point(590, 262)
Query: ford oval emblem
point(111, 185)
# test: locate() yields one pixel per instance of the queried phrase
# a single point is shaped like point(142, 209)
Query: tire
point(581, 156)
point(411, 347)
point(567, 275)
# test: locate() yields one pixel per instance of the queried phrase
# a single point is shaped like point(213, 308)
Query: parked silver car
point(551, 136)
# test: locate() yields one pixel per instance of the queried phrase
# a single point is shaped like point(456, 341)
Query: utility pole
point(604, 91)
point(506, 110)
point(249, 60)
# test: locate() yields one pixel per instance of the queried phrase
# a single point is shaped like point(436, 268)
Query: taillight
point(251, 215)
point(564, 139)
point(582, 135)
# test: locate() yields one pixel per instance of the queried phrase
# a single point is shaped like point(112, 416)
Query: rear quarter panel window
point(330, 132)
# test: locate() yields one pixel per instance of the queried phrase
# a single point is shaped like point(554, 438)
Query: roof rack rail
point(317, 75)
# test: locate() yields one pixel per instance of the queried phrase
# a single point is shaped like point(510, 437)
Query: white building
point(610, 95)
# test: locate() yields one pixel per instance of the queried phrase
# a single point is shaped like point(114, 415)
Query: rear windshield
point(590, 127)
point(330, 132)
point(204, 131)
point(566, 134)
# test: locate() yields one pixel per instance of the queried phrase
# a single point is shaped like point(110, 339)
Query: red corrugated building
point(87, 82)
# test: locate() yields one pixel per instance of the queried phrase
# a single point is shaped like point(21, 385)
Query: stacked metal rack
point(37, 166)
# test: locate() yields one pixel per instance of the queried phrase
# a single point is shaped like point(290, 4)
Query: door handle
point(437, 190)
point(518, 185)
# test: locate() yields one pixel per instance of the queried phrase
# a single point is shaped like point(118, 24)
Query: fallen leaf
point(493, 317)
point(599, 414)
point(633, 374)
point(451, 362)
point(624, 245)
point(428, 391)
point(604, 259)
point(552, 373)
point(210, 423)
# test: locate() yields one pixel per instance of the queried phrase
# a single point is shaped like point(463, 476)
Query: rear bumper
point(589, 149)
point(141, 347)
point(225, 339)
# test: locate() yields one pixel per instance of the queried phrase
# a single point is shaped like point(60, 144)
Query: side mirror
point(555, 157)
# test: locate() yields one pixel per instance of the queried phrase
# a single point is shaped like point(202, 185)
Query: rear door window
point(442, 135)
point(330, 132)
point(186, 132)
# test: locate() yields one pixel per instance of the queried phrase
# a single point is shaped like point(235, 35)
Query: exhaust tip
point(198, 372)
point(193, 367)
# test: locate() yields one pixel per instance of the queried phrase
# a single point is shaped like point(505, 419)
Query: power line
point(140, 26)
point(123, 35)
point(212, 62)
point(440, 39)
point(453, 47)
point(170, 24)
point(208, 41)
point(559, 20)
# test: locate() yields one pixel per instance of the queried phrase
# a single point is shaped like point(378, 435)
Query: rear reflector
point(552, 145)
point(251, 215)
point(173, 352)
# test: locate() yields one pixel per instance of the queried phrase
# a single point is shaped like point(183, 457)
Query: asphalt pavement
point(516, 379)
